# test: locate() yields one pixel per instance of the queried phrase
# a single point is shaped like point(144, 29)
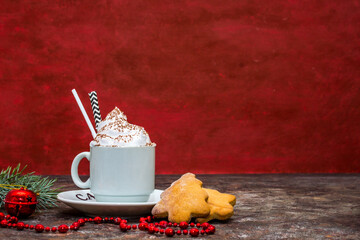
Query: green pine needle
point(46, 196)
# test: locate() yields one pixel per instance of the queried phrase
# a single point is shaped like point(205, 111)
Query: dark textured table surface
point(268, 207)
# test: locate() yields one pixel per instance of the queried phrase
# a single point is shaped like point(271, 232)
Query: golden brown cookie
point(221, 206)
point(183, 200)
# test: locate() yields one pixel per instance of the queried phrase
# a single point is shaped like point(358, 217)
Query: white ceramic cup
point(118, 174)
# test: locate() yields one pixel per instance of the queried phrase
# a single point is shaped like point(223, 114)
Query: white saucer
point(84, 201)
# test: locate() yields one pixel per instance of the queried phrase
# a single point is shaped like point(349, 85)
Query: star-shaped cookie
point(183, 200)
point(221, 206)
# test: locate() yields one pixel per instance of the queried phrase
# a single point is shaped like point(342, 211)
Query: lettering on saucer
point(82, 198)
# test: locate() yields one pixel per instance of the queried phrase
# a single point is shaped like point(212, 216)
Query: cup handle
point(75, 173)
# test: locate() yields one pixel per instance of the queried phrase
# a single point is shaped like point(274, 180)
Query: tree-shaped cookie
point(183, 200)
point(221, 206)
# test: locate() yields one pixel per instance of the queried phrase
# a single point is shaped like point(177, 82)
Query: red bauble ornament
point(20, 202)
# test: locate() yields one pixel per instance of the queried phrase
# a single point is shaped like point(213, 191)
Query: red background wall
point(221, 86)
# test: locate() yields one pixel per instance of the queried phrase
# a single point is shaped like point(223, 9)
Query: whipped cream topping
point(115, 131)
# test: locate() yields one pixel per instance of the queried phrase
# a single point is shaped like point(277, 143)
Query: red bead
point(192, 224)
point(151, 229)
point(63, 228)
point(117, 220)
point(163, 224)
point(202, 232)
point(20, 226)
point(162, 231)
point(13, 225)
point(183, 225)
point(169, 224)
point(2, 216)
point(26, 225)
point(134, 226)
point(86, 219)
point(39, 228)
point(149, 219)
point(123, 227)
point(7, 216)
point(128, 227)
point(76, 225)
point(156, 224)
point(185, 232)
point(13, 220)
point(32, 227)
point(54, 229)
point(123, 221)
point(198, 225)
point(81, 222)
point(169, 232)
point(175, 224)
point(91, 219)
point(72, 227)
point(142, 219)
point(111, 219)
point(97, 220)
point(9, 225)
point(205, 225)
point(156, 230)
point(142, 226)
point(210, 229)
point(4, 223)
point(47, 229)
point(178, 232)
point(106, 219)
point(194, 232)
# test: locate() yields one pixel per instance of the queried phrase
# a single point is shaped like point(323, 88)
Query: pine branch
point(42, 186)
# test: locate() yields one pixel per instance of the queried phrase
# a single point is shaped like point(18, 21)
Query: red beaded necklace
point(145, 224)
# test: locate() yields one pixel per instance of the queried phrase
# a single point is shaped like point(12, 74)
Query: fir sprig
point(46, 196)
